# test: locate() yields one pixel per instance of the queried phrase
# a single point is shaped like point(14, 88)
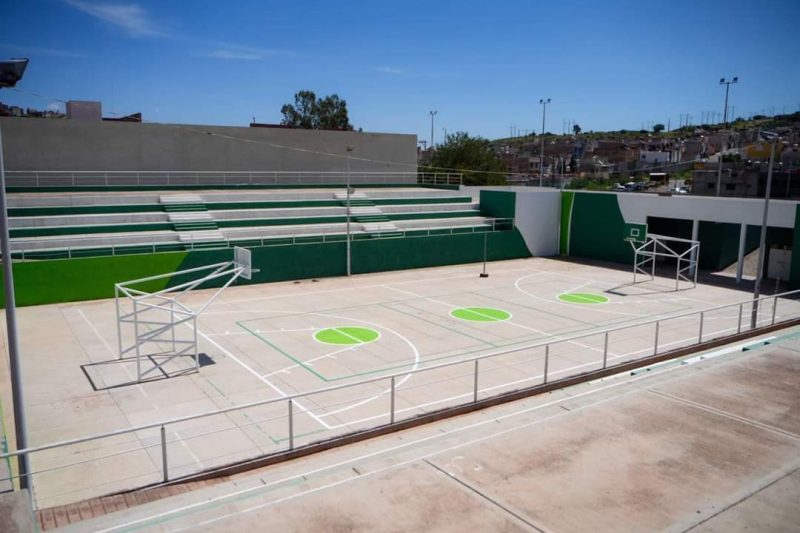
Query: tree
point(461, 152)
point(658, 128)
point(312, 113)
point(576, 129)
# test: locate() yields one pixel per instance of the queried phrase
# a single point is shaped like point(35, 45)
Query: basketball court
point(351, 353)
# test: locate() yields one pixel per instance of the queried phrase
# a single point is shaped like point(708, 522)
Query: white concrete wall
point(538, 215)
point(49, 144)
point(637, 207)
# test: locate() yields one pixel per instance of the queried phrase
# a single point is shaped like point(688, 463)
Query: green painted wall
point(567, 199)
point(66, 280)
point(499, 204)
point(596, 229)
point(794, 276)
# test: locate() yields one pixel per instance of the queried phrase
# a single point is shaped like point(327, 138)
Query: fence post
point(164, 453)
point(700, 336)
point(655, 346)
point(391, 418)
point(774, 308)
point(291, 425)
point(739, 323)
point(546, 361)
point(605, 350)
point(475, 392)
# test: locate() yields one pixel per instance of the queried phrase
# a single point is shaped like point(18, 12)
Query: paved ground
point(709, 443)
point(260, 342)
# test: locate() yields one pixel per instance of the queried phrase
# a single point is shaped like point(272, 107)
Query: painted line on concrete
point(253, 491)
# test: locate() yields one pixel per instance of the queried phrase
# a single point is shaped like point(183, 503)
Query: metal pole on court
point(348, 149)
point(11, 325)
point(762, 241)
point(727, 84)
point(485, 238)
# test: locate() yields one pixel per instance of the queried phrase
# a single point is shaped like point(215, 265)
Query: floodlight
point(11, 72)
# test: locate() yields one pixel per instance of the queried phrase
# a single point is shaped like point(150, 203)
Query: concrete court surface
point(260, 343)
point(700, 444)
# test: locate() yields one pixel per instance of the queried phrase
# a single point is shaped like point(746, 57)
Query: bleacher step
point(201, 236)
point(180, 199)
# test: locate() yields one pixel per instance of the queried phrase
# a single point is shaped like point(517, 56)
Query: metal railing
point(320, 235)
point(102, 178)
point(537, 362)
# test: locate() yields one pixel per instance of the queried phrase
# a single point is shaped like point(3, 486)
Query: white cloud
point(131, 18)
point(244, 53)
point(390, 70)
point(32, 51)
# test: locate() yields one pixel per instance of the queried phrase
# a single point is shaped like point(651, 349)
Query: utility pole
point(433, 114)
point(348, 149)
point(727, 84)
point(544, 102)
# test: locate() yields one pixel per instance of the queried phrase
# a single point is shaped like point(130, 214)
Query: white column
point(695, 231)
point(740, 263)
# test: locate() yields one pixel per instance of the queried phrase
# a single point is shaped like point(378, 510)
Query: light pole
point(10, 73)
point(348, 149)
point(762, 241)
point(727, 84)
point(445, 134)
point(433, 114)
point(544, 103)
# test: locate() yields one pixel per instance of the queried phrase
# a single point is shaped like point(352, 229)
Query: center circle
point(346, 335)
point(480, 314)
point(585, 298)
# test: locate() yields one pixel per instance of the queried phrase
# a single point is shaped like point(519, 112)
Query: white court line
point(292, 367)
point(516, 324)
point(259, 376)
point(557, 302)
point(155, 406)
point(362, 287)
point(438, 435)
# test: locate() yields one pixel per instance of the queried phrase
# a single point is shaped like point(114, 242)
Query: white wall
point(538, 215)
point(637, 207)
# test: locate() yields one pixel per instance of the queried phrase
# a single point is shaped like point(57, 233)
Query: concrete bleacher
point(85, 224)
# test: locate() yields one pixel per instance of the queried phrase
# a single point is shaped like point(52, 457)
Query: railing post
point(475, 391)
point(739, 323)
point(164, 454)
point(605, 350)
point(391, 417)
point(291, 425)
point(700, 335)
point(774, 308)
point(546, 361)
point(655, 345)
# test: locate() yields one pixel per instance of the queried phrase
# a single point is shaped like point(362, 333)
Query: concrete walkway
point(709, 443)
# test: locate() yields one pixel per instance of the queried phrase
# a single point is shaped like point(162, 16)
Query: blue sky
point(482, 65)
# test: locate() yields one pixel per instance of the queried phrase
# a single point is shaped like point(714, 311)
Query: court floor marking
point(518, 282)
point(522, 326)
point(254, 491)
point(522, 380)
point(373, 286)
point(153, 405)
point(259, 377)
point(331, 355)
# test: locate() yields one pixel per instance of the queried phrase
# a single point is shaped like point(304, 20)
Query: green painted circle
point(481, 314)
point(346, 335)
point(585, 298)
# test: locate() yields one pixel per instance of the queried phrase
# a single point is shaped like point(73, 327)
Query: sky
point(483, 66)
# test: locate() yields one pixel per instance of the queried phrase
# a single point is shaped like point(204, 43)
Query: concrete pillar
point(740, 262)
point(695, 231)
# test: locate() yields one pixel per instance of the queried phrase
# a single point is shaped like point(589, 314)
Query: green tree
point(312, 113)
point(658, 128)
point(460, 152)
point(576, 129)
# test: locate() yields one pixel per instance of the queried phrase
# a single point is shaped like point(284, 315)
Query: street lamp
point(10, 73)
point(544, 103)
point(348, 149)
point(727, 84)
point(433, 114)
